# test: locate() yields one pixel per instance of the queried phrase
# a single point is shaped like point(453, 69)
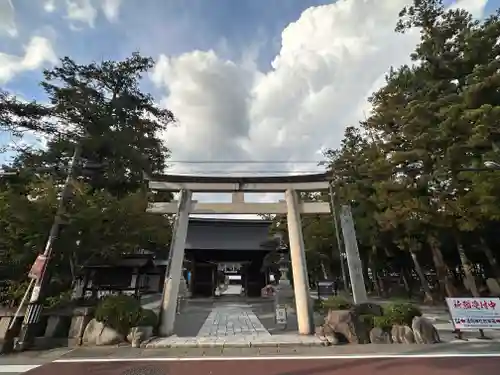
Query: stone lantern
point(284, 266)
point(283, 298)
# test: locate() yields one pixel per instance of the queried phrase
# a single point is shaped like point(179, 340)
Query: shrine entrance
point(213, 243)
point(292, 206)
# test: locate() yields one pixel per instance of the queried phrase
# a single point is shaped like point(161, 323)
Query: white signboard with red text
point(474, 313)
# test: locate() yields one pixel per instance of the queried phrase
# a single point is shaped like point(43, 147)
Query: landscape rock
point(379, 336)
point(402, 334)
point(138, 335)
point(320, 332)
point(408, 335)
point(96, 333)
point(326, 334)
point(349, 325)
point(424, 331)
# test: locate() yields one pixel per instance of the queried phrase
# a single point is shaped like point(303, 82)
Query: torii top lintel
point(309, 182)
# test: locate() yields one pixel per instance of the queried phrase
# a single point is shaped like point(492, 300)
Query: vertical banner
point(37, 268)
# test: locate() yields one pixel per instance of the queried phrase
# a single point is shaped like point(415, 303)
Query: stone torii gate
point(291, 206)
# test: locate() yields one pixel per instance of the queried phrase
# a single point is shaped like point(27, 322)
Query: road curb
point(13, 369)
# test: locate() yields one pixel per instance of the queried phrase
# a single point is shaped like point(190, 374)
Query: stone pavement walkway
point(232, 325)
point(232, 320)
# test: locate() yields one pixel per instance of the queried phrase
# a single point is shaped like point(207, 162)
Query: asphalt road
point(276, 366)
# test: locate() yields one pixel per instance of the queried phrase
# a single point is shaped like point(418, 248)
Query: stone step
point(234, 341)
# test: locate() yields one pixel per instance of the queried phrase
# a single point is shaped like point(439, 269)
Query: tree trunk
point(491, 258)
point(470, 280)
point(366, 277)
point(374, 268)
point(376, 285)
point(72, 268)
point(423, 280)
point(448, 289)
point(323, 270)
point(382, 285)
point(407, 282)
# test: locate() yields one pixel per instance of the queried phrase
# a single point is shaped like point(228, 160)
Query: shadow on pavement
point(265, 312)
point(189, 322)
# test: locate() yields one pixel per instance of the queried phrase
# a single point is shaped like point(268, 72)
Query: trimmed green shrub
point(382, 322)
point(119, 312)
point(318, 306)
point(368, 309)
point(336, 303)
point(332, 303)
point(401, 313)
point(148, 318)
point(62, 299)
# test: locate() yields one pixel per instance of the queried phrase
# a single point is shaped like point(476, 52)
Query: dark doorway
point(205, 270)
point(203, 279)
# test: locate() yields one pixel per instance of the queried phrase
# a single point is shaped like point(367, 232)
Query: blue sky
point(329, 59)
point(171, 27)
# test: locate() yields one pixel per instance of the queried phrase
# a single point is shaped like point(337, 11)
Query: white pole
point(23, 301)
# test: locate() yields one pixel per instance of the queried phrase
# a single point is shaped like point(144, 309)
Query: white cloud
point(38, 52)
point(331, 59)
point(86, 11)
point(7, 18)
point(210, 97)
point(81, 11)
point(111, 9)
point(475, 7)
point(49, 6)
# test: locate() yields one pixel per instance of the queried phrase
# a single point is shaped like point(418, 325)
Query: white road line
point(17, 368)
point(280, 358)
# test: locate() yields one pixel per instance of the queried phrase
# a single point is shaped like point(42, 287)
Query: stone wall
point(62, 326)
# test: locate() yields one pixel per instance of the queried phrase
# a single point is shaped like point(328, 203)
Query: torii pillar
point(292, 207)
point(299, 265)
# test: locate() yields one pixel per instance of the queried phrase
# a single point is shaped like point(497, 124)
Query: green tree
point(97, 226)
point(102, 107)
point(19, 118)
point(426, 125)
